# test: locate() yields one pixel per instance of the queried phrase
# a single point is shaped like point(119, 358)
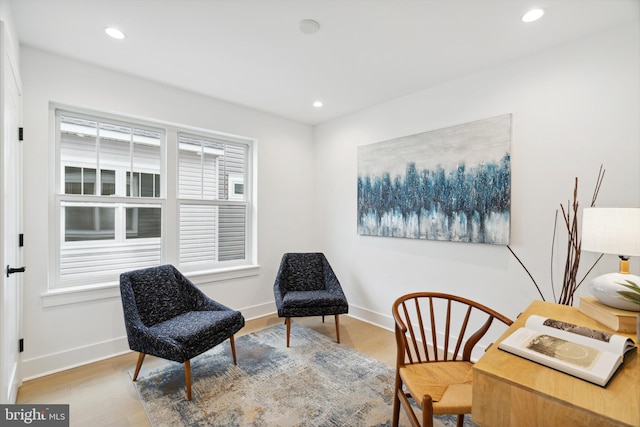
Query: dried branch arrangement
point(570, 283)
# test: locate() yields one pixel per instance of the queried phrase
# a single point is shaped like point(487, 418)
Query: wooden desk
point(511, 391)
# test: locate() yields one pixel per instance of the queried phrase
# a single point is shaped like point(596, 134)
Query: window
point(114, 213)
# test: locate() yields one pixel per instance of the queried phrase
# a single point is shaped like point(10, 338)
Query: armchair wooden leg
point(460, 421)
point(233, 349)
point(288, 322)
point(427, 411)
point(396, 403)
point(338, 327)
point(187, 376)
point(138, 366)
point(408, 408)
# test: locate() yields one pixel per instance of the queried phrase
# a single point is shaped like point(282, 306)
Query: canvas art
point(450, 184)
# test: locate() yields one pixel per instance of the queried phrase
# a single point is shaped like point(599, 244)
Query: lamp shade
point(611, 231)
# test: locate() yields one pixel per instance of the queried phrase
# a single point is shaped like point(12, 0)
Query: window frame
point(59, 293)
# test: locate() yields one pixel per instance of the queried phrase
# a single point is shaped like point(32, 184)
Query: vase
point(605, 288)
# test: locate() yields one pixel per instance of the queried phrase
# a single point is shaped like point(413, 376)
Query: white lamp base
point(605, 288)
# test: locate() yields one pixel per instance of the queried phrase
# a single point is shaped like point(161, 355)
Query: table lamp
point(612, 231)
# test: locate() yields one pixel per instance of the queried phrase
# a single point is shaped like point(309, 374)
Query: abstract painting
point(450, 184)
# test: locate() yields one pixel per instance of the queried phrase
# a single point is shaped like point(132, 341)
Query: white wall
point(66, 335)
point(574, 108)
point(6, 16)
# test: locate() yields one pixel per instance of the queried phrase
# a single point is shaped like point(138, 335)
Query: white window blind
point(198, 230)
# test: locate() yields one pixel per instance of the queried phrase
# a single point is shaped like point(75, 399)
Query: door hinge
point(20, 134)
point(21, 239)
point(21, 345)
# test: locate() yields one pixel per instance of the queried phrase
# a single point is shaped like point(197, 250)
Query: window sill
point(80, 294)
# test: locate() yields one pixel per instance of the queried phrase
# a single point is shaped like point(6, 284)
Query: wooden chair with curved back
point(438, 381)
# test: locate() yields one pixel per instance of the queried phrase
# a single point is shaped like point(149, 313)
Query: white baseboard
point(260, 310)
point(56, 362)
point(381, 320)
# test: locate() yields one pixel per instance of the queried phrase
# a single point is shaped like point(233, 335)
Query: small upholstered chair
point(167, 316)
point(307, 286)
point(438, 381)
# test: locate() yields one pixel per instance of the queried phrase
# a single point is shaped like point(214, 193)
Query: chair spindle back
point(435, 327)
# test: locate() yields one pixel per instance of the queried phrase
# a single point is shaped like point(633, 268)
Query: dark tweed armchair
point(307, 286)
point(167, 316)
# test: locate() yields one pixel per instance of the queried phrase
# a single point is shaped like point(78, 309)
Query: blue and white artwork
point(450, 184)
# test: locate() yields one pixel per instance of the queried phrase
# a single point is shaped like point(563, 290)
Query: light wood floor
point(102, 393)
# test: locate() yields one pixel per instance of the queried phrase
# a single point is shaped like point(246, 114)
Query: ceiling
point(252, 52)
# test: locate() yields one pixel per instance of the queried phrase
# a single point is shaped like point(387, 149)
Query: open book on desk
point(585, 353)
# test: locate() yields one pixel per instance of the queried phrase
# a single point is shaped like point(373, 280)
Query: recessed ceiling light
point(114, 32)
point(318, 104)
point(309, 26)
point(532, 15)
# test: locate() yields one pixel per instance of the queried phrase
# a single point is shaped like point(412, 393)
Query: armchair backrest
point(156, 293)
point(302, 272)
point(433, 327)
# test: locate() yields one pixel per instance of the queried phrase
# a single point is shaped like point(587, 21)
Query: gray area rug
point(315, 382)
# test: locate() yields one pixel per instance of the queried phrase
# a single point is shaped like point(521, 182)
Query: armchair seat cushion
point(199, 328)
point(296, 299)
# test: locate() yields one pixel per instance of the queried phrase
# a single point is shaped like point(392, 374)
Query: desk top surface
point(619, 400)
